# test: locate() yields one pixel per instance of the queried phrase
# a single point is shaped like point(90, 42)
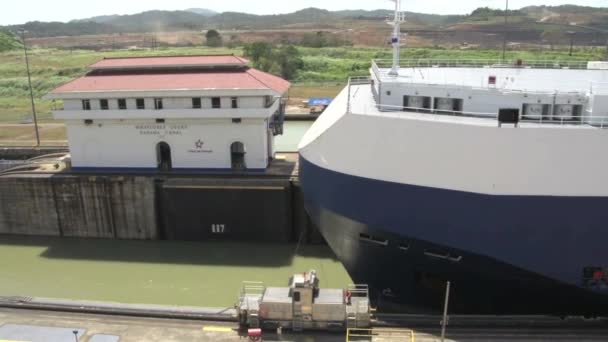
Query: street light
point(571, 36)
point(29, 81)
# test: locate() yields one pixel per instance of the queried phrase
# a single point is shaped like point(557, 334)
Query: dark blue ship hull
point(502, 254)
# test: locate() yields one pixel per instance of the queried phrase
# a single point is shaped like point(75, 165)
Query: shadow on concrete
point(171, 252)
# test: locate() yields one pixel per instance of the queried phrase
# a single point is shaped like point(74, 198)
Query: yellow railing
point(385, 334)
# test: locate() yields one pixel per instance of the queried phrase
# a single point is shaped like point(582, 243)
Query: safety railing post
point(444, 322)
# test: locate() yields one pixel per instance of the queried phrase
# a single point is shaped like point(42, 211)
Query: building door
point(237, 156)
point(163, 156)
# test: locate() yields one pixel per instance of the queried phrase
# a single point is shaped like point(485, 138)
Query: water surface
point(154, 272)
point(293, 133)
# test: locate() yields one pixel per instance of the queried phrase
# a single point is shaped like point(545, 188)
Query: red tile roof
point(196, 80)
point(167, 62)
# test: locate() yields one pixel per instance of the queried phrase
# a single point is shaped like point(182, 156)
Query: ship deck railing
point(354, 83)
point(378, 64)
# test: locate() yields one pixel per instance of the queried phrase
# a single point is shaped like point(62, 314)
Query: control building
point(163, 113)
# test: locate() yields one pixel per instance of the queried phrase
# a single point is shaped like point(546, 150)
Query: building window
point(160, 121)
point(158, 104)
point(103, 104)
point(86, 104)
point(196, 103)
point(237, 120)
point(267, 101)
point(88, 122)
point(235, 102)
point(122, 104)
point(216, 102)
point(141, 104)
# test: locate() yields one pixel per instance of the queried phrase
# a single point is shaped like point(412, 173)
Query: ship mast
point(396, 39)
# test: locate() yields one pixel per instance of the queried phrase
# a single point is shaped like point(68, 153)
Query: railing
point(577, 120)
point(478, 63)
point(380, 334)
point(252, 288)
point(599, 88)
point(353, 81)
point(359, 290)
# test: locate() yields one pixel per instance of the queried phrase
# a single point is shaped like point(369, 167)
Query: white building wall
point(72, 105)
point(170, 103)
point(132, 144)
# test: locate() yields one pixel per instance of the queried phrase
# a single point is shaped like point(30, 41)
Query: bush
point(214, 39)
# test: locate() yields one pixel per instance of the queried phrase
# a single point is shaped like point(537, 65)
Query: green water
point(292, 134)
point(154, 272)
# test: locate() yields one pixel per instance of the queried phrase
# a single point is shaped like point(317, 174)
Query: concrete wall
point(28, 207)
point(248, 209)
point(96, 207)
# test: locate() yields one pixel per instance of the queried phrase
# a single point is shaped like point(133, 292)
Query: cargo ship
point(487, 174)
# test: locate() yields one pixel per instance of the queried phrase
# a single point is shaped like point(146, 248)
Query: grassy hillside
point(8, 41)
point(314, 18)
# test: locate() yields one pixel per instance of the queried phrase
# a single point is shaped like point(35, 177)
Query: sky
point(21, 11)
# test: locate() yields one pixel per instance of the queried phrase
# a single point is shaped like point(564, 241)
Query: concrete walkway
point(90, 328)
point(47, 326)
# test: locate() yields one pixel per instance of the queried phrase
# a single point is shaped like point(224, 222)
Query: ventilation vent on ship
point(442, 255)
point(372, 239)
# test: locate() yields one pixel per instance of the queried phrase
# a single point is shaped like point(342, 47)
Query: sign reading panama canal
point(199, 147)
point(161, 129)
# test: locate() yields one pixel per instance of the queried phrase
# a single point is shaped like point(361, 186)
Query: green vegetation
point(307, 67)
point(285, 60)
point(213, 39)
point(486, 13)
point(8, 41)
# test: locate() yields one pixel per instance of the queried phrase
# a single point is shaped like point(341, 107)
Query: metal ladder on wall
point(298, 320)
point(351, 320)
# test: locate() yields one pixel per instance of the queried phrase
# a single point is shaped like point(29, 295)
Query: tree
point(285, 61)
point(214, 39)
point(257, 52)
point(289, 61)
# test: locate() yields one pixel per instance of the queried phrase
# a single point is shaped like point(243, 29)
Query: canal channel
point(205, 274)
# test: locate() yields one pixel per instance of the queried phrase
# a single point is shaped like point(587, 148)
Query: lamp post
point(571, 36)
point(29, 81)
point(504, 37)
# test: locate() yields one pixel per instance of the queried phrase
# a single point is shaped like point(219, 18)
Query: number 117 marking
point(218, 228)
